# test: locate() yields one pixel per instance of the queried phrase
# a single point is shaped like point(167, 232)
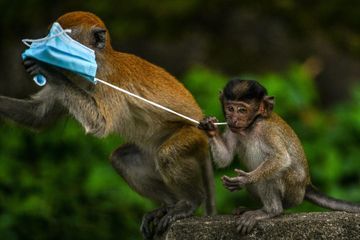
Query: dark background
point(58, 184)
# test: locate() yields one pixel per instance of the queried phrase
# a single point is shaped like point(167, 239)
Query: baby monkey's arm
point(275, 161)
point(222, 147)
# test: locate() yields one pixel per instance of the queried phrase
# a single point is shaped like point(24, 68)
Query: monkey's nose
point(234, 121)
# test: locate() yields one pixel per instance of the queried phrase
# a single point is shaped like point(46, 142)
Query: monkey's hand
point(238, 182)
point(208, 125)
point(53, 75)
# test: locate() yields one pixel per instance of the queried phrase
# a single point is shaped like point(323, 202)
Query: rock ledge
point(315, 225)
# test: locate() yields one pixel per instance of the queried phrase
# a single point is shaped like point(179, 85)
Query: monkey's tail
point(209, 182)
point(315, 196)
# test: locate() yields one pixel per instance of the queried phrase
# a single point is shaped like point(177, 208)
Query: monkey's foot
point(181, 210)
point(150, 221)
point(246, 222)
point(240, 210)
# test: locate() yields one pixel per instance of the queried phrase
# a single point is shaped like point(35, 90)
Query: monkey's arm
point(79, 103)
point(223, 148)
point(277, 159)
point(35, 113)
point(83, 107)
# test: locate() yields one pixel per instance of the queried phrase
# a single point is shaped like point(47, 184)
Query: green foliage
point(206, 85)
point(58, 184)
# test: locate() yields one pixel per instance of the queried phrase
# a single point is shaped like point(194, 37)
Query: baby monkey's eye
point(242, 110)
point(230, 109)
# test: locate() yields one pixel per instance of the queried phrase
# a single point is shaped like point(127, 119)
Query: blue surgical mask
point(60, 50)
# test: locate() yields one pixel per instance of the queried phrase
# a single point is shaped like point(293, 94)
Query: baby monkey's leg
point(270, 197)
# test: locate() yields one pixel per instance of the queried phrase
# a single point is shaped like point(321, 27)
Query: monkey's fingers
point(147, 231)
point(249, 225)
point(211, 123)
point(34, 67)
point(31, 62)
point(232, 180)
point(241, 172)
point(232, 189)
point(208, 123)
point(203, 126)
point(246, 223)
point(163, 224)
point(230, 184)
point(236, 182)
point(227, 180)
point(33, 70)
point(207, 126)
point(31, 67)
point(146, 227)
point(212, 119)
point(28, 62)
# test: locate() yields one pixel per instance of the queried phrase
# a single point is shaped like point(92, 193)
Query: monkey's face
point(239, 115)
point(87, 29)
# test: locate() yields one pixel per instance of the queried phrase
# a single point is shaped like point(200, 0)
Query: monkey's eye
point(230, 109)
point(242, 110)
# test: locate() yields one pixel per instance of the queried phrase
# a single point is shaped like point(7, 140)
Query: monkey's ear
point(221, 96)
point(267, 106)
point(99, 37)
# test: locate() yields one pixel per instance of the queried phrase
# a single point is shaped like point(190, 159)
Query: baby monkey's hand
point(208, 125)
point(236, 183)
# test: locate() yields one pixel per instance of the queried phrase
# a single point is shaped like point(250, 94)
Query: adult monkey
point(166, 159)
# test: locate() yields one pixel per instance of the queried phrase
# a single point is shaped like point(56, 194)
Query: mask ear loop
point(28, 42)
point(40, 79)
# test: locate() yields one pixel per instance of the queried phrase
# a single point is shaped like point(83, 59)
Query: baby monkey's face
point(239, 115)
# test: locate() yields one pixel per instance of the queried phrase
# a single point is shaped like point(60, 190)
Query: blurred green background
point(58, 184)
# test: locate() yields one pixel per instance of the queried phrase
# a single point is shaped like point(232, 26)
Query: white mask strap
point(152, 103)
point(28, 42)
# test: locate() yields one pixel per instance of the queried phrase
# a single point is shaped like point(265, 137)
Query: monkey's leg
point(35, 113)
point(151, 219)
point(270, 197)
point(182, 209)
point(138, 170)
point(180, 163)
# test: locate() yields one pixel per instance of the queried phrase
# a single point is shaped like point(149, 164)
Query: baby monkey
point(278, 173)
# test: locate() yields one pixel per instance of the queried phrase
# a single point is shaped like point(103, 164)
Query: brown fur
point(167, 158)
point(171, 141)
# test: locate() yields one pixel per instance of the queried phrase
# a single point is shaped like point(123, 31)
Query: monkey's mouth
point(236, 129)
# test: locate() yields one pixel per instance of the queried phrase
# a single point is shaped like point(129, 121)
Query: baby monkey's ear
point(267, 106)
point(221, 95)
